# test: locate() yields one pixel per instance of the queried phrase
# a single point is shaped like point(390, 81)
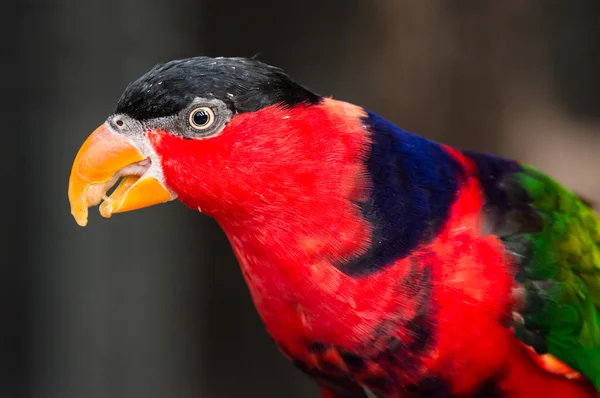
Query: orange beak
point(102, 159)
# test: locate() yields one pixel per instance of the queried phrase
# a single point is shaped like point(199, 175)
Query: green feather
point(561, 267)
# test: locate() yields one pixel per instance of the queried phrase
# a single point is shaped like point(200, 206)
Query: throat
point(293, 246)
point(289, 261)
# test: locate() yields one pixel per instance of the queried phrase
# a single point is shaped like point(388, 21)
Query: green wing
point(555, 237)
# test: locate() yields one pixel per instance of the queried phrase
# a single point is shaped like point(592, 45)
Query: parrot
point(382, 264)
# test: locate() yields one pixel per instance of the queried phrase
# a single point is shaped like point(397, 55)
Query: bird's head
point(225, 135)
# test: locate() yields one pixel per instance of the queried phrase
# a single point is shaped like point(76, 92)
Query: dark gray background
point(151, 303)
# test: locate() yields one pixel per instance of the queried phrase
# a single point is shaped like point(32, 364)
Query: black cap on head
point(247, 85)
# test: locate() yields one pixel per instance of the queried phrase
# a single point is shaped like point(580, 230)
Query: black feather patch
point(247, 85)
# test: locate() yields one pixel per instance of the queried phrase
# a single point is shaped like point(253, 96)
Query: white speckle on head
point(199, 209)
point(230, 95)
point(286, 117)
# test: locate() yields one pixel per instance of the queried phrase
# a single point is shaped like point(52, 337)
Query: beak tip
point(81, 221)
point(81, 217)
point(106, 210)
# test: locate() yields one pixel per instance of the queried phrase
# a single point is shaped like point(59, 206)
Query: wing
point(555, 239)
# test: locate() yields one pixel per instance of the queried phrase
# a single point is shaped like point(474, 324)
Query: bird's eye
point(201, 118)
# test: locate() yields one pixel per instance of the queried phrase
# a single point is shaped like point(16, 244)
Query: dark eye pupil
point(201, 117)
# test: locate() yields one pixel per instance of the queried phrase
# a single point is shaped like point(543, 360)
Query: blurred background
point(152, 303)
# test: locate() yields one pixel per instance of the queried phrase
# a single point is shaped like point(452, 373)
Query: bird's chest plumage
point(308, 303)
point(437, 310)
point(434, 312)
point(341, 329)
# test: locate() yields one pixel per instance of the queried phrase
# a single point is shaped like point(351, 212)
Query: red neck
point(282, 183)
point(304, 212)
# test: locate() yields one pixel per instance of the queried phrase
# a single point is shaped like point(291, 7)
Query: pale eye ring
point(201, 118)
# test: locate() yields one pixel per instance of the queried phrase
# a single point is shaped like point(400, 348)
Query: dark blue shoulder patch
point(492, 172)
point(415, 182)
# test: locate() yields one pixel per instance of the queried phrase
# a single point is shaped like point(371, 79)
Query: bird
point(382, 263)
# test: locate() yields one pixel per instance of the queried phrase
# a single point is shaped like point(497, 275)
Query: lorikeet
point(383, 264)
